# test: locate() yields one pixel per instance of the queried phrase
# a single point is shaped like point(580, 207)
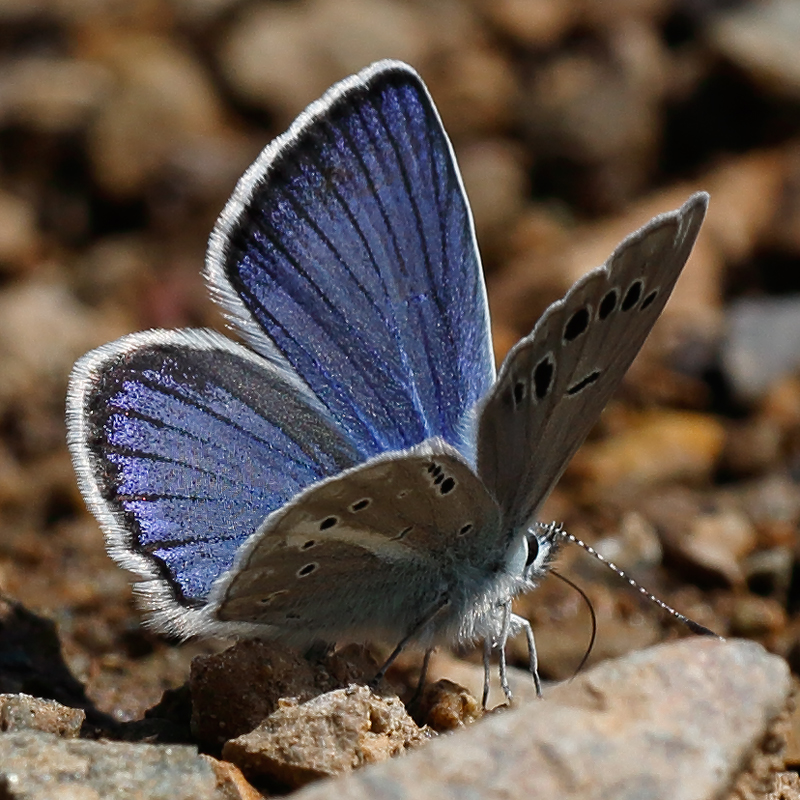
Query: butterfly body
point(356, 471)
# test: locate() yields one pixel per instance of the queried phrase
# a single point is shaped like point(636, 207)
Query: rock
point(678, 722)
point(19, 237)
point(535, 23)
point(761, 39)
point(44, 330)
point(445, 706)
point(20, 712)
point(495, 177)
point(327, 735)
point(56, 95)
point(598, 110)
point(762, 343)
point(40, 766)
point(235, 690)
point(283, 56)
point(754, 616)
point(712, 535)
point(162, 118)
point(657, 447)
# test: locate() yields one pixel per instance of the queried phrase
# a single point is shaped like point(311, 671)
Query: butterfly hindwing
point(555, 382)
point(184, 442)
point(374, 542)
point(348, 249)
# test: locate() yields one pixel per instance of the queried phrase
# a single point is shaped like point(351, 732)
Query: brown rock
point(235, 690)
point(52, 94)
point(539, 23)
point(330, 734)
point(445, 705)
point(495, 177)
point(657, 447)
point(19, 238)
point(711, 535)
point(281, 57)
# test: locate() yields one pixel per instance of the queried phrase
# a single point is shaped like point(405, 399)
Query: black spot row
point(445, 484)
point(576, 326)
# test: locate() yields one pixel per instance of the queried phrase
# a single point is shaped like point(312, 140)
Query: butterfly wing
point(555, 382)
point(348, 250)
point(183, 443)
point(365, 553)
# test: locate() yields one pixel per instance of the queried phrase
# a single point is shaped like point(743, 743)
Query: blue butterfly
point(356, 471)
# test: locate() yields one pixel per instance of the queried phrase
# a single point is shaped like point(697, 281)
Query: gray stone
point(40, 766)
point(679, 721)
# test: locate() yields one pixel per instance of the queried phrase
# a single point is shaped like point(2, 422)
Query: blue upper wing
point(184, 442)
point(348, 250)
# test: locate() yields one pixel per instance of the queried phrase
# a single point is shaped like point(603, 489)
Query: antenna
point(556, 530)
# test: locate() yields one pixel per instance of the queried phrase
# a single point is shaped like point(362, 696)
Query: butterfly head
point(531, 555)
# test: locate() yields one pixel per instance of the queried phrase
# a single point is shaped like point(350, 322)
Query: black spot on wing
point(632, 296)
point(608, 304)
point(543, 377)
point(581, 385)
point(577, 324)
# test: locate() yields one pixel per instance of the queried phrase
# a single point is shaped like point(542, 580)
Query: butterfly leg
point(533, 661)
point(487, 671)
point(442, 603)
point(507, 617)
point(422, 676)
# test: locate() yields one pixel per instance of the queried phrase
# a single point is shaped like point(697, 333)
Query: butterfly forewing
point(348, 249)
point(184, 442)
point(554, 384)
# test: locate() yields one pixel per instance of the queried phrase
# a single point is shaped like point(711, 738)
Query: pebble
point(21, 712)
point(278, 56)
point(657, 447)
point(19, 236)
point(41, 766)
point(713, 537)
point(328, 735)
point(761, 39)
point(762, 344)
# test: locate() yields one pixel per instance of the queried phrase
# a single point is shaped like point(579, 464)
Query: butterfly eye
point(533, 551)
point(632, 296)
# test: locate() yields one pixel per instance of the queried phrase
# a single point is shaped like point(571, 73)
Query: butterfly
point(357, 470)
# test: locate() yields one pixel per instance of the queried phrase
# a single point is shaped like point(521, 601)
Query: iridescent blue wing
point(183, 443)
point(348, 250)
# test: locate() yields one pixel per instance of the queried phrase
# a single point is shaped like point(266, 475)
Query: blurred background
point(124, 125)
